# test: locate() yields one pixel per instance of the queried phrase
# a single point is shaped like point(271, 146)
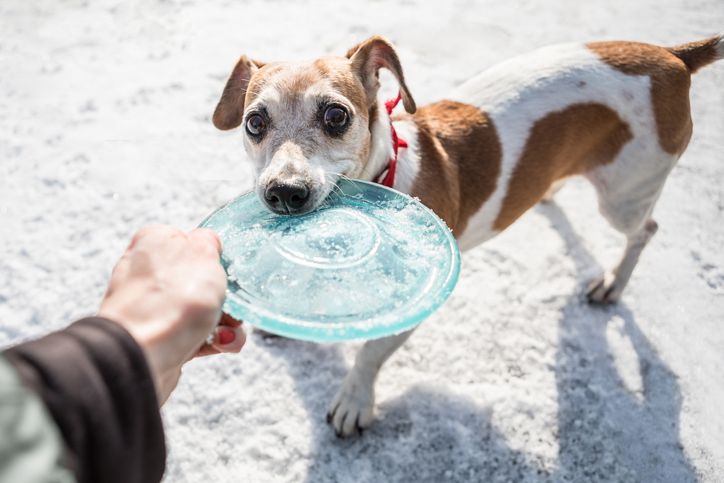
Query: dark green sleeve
point(94, 381)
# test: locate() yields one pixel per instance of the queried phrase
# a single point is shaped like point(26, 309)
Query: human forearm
point(95, 381)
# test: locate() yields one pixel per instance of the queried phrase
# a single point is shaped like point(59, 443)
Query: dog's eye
point(255, 125)
point(335, 119)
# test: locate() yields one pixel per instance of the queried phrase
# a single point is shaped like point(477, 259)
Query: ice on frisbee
point(368, 263)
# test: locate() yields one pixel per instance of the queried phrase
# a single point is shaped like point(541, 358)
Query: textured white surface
point(104, 127)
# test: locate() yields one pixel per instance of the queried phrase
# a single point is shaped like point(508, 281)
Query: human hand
point(167, 291)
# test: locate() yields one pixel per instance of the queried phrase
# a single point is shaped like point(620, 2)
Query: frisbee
point(370, 262)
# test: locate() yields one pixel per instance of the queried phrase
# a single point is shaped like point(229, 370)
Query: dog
point(616, 113)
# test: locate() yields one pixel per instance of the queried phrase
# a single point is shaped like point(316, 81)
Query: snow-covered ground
point(104, 127)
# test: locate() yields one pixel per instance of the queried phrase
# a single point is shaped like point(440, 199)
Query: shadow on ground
point(606, 431)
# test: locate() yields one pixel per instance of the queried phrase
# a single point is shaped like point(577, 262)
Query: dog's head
point(307, 124)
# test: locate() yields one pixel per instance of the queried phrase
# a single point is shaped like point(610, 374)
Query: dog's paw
point(604, 290)
point(352, 409)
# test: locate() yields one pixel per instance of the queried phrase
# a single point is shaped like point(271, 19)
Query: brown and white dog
point(615, 112)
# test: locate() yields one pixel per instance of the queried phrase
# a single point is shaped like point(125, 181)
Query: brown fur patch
point(697, 54)
point(373, 112)
point(260, 79)
point(563, 143)
point(230, 108)
point(366, 60)
point(670, 81)
point(293, 87)
point(339, 72)
point(461, 154)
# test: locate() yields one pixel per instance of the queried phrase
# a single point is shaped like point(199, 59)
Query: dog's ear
point(368, 57)
point(230, 110)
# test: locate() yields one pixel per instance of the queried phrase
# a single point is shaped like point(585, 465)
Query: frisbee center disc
point(331, 238)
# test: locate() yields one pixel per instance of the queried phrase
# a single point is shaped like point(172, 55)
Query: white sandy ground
point(104, 127)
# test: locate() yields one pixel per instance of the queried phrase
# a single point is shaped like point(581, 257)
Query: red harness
point(397, 143)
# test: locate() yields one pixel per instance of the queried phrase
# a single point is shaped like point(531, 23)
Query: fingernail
point(226, 336)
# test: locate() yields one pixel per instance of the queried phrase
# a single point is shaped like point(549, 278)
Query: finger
point(210, 349)
point(206, 238)
point(229, 321)
point(226, 339)
point(229, 339)
point(206, 350)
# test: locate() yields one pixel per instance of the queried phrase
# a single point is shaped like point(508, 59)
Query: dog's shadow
point(609, 431)
point(606, 431)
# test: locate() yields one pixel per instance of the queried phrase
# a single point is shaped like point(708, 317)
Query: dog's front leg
point(353, 407)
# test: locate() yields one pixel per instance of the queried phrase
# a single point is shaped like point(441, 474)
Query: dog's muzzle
point(287, 199)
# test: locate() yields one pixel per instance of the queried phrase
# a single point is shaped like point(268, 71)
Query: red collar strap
point(387, 177)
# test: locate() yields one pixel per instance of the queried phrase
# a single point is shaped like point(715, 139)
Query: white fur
point(381, 148)
point(609, 287)
point(408, 159)
point(518, 92)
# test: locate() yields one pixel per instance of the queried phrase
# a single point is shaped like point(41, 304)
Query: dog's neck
point(381, 150)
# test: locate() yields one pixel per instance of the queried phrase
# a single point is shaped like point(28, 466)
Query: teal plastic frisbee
point(370, 262)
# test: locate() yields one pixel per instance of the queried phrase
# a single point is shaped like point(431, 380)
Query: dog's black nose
point(286, 198)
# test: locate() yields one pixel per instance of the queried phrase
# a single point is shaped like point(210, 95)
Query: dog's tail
point(701, 53)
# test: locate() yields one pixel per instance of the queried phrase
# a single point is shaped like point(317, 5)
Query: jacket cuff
point(95, 382)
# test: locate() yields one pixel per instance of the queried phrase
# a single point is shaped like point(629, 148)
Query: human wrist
point(144, 334)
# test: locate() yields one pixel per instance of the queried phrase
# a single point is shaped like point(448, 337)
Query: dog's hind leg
point(609, 287)
point(353, 407)
point(626, 198)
